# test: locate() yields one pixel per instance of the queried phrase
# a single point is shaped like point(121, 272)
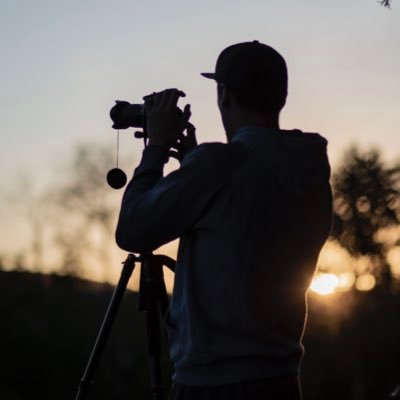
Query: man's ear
point(223, 95)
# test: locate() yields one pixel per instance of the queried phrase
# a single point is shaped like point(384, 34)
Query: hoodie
point(252, 216)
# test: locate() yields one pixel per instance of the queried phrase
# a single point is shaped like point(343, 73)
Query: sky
point(63, 63)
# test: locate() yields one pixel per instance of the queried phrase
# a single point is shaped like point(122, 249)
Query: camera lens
point(126, 115)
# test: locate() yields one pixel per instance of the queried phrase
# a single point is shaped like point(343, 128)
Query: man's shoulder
point(217, 152)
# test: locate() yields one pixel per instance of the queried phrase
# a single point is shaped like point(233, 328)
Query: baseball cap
point(250, 66)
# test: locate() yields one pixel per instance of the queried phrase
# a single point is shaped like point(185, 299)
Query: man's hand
point(186, 143)
point(165, 122)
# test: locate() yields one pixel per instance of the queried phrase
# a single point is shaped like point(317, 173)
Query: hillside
point(49, 324)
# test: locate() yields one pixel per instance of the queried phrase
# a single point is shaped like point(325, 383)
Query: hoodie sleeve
point(157, 210)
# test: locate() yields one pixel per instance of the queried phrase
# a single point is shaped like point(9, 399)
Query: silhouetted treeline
point(49, 324)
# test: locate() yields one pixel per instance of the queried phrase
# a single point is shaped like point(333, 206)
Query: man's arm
point(156, 210)
point(143, 209)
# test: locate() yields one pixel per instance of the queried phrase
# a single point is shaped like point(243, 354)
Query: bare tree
point(85, 209)
point(29, 203)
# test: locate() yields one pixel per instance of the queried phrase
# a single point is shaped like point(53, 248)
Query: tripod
point(153, 300)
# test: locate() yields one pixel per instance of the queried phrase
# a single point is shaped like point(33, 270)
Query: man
point(251, 215)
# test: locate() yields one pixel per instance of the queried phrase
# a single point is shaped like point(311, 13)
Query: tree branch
point(385, 3)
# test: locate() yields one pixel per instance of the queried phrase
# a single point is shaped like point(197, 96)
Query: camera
point(126, 115)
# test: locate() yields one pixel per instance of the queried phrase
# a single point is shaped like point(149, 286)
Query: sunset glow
point(339, 271)
point(365, 282)
point(393, 258)
point(346, 281)
point(328, 283)
point(324, 284)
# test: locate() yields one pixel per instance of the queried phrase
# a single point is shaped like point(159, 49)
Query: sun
point(324, 284)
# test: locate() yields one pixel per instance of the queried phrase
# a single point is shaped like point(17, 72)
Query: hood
point(299, 160)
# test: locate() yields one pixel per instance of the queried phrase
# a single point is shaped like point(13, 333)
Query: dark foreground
point(49, 323)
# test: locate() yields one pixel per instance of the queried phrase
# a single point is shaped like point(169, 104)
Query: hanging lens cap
point(116, 178)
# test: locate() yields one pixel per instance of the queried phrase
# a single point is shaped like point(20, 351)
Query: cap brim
point(209, 75)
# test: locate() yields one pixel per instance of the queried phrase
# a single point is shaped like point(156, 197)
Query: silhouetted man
point(251, 215)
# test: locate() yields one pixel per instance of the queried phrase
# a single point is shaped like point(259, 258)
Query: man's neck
point(267, 122)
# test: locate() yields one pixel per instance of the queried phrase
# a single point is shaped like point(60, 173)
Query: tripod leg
point(87, 379)
point(154, 351)
point(149, 303)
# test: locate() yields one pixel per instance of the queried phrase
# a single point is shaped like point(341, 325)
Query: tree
point(71, 221)
point(85, 210)
point(30, 204)
point(366, 200)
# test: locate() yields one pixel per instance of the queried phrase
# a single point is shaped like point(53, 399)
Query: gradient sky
point(63, 63)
